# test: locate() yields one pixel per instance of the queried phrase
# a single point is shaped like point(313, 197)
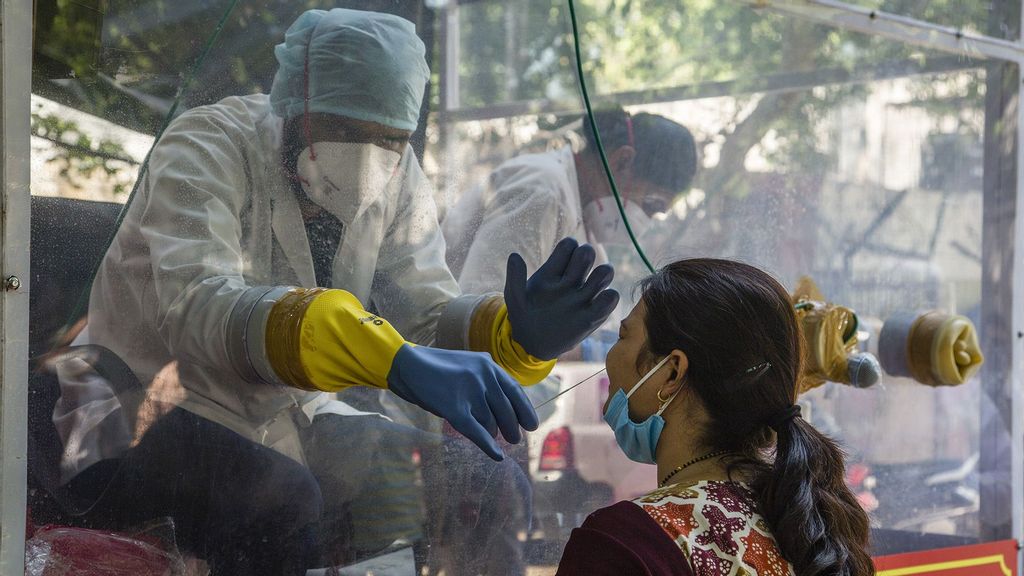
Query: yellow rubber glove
point(320, 339)
point(830, 337)
point(490, 331)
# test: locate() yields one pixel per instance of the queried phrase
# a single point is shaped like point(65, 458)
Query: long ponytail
point(729, 317)
point(818, 523)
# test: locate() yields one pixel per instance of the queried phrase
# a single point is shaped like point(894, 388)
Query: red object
point(557, 451)
point(867, 501)
point(63, 551)
point(856, 474)
point(992, 559)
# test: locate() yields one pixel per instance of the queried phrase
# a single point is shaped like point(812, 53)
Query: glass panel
point(114, 403)
point(856, 161)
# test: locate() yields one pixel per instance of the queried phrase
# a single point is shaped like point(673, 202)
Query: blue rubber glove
point(468, 390)
point(559, 305)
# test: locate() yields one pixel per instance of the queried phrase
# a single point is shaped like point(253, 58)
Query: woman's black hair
point(666, 153)
point(729, 317)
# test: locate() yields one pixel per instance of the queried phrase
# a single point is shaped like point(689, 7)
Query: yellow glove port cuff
point(825, 329)
point(490, 331)
point(943, 350)
point(319, 339)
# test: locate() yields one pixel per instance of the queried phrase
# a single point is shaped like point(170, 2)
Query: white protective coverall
point(527, 205)
point(187, 284)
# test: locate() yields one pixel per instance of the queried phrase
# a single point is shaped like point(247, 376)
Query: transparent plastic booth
point(866, 154)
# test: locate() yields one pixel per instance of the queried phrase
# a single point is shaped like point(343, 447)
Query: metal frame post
point(1017, 314)
point(1000, 190)
point(15, 82)
point(1001, 187)
point(895, 27)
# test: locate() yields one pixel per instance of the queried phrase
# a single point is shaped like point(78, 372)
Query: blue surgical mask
point(638, 440)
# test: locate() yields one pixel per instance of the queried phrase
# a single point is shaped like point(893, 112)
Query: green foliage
point(125, 61)
point(80, 156)
point(522, 51)
point(130, 64)
point(753, 56)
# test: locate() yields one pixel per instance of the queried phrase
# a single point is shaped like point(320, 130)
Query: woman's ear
point(680, 366)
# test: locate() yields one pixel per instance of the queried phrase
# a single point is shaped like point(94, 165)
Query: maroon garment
point(622, 540)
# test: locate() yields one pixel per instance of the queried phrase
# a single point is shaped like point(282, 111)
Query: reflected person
point(531, 201)
point(281, 248)
point(703, 384)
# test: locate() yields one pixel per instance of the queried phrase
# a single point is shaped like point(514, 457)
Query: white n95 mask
point(604, 223)
point(346, 178)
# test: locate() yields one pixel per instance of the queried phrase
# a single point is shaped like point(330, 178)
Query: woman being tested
point(703, 381)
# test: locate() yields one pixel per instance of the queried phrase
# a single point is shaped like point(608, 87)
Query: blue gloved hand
point(559, 305)
point(468, 390)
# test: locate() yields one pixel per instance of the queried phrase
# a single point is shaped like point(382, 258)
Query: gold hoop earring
point(663, 400)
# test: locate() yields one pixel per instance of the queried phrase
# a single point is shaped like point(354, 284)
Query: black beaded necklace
point(679, 469)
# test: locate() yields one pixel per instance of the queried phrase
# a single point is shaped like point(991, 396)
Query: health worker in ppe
point(564, 192)
point(280, 248)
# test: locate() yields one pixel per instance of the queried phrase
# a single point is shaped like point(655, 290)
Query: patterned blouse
point(717, 526)
point(709, 528)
